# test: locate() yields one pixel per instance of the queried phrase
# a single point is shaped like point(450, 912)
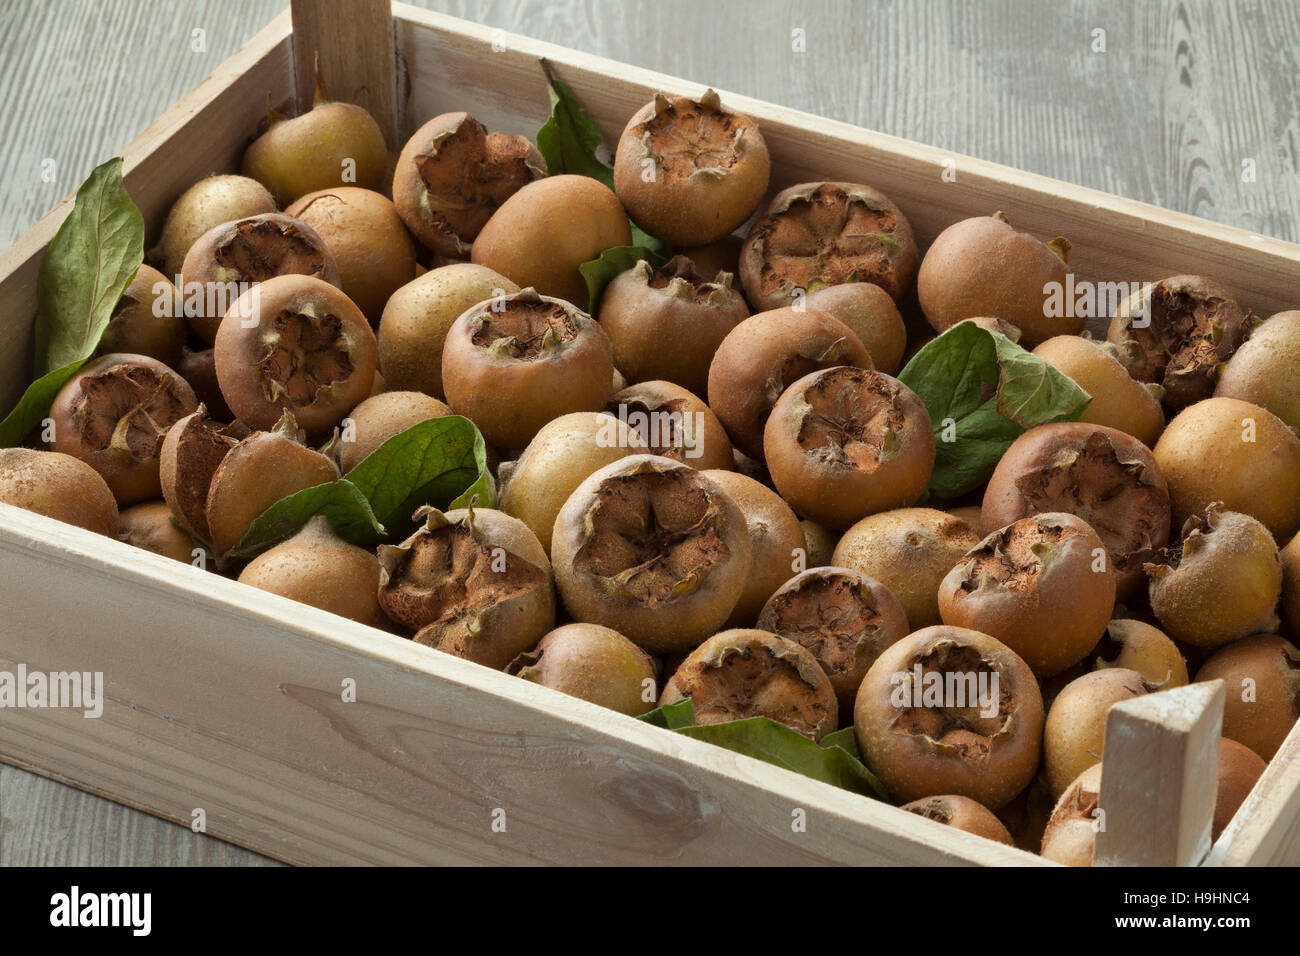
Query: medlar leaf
point(982, 392)
point(90, 262)
point(341, 501)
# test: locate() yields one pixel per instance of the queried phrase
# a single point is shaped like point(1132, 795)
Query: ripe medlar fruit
point(1118, 400)
point(1076, 724)
point(1262, 370)
point(823, 234)
point(747, 673)
point(113, 415)
point(1142, 648)
point(947, 710)
point(297, 344)
point(843, 443)
point(961, 813)
point(869, 311)
point(146, 320)
point(200, 370)
point(666, 323)
point(473, 582)
point(1262, 678)
point(58, 486)
point(762, 356)
point(1102, 475)
point(1042, 585)
point(381, 417)
point(1071, 833)
point(190, 454)
point(510, 365)
point(595, 663)
point(1177, 333)
point(654, 549)
point(206, 204)
point(453, 175)
point(690, 171)
point(1239, 770)
point(150, 526)
point(674, 423)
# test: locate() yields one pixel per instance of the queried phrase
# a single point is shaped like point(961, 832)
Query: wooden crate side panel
point(204, 133)
point(223, 698)
point(1266, 829)
point(1114, 239)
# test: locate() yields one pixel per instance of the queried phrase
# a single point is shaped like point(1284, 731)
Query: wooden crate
point(228, 700)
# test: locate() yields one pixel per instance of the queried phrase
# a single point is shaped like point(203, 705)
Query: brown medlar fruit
point(246, 251)
point(747, 673)
point(666, 323)
point(763, 356)
point(1220, 582)
point(113, 415)
point(1042, 585)
point(1239, 770)
point(472, 582)
point(1102, 475)
point(150, 526)
point(961, 813)
point(843, 443)
point(654, 549)
point(983, 267)
point(510, 365)
point(1142, 648)
point(58, 486)
point(844, 619)
point(594, 663)
point(1118, 400)
point(1177, 334)
point(297, 344)
point(1262, 692)
point(200, 370)
point(1071, 834)
point(1262, 370)
point(146, 320)
point(823, 234)
point(1076, 724)
point(381, 417)
point(869, 311)
point(453, 175)
point(947, 710)
point(674, 423)
point(689, 171)
point(190, 454)
point(206, 204)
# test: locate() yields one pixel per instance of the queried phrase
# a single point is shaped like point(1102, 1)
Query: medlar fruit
point(1118, 400)
point(381, 417)
point(58, 486)
point(961, 813)
point(869, 311)
point(205, 205)
point(1239, 770)
point(674, 423)
point(1262, 678)
point(150, 527)
point(1071, 834)
point(1076, 724)
point(594, 663)
point(146, 320)
point(1262, 370)
point(1142, 648)
point(190, 454)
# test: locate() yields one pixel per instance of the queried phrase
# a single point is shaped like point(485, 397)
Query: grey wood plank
point(1186, 96)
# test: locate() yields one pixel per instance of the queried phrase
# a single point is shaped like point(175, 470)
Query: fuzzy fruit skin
point(1205, 456)
point(743, 673)
point(544, 232)
point(319, 568)
point(843, 618)
point(858, 236)
point(843, 443)
point(1070, 837)
point(897, 742)
point(1261, 371)
point(961, 813)
point(418, 316)
point(1076, 723)
point(710, 173)
point(1177, 333)
point(869, 311)
point(909, 550)
point(1272, 664)
point(473, 172)
point(1034, 586)
point(1221, 584)
point(775, 540)
point(511, 396)
point(1102, 475)
point(707, 588)
point(381, 417)
point(58, 486)
point(694, 437)
point(666, 324)
point(149, 526)
point(1118, 400)
point(86, 414)
point(765, 354)
point(206, 204)
point(256, 364)
point(1140, 647)
point(145, 320)
point(374, 254)
point(819, 544)
point(1239, 769)
point(255, 474)
point(594, 663)
point(248, 250)
point(982, 266)
point(560, 457)
point(488, 600)
point(307, 153)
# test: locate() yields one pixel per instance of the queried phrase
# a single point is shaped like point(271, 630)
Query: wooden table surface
point(1190, 105)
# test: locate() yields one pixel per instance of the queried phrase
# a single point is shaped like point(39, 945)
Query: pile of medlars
point(709, 481)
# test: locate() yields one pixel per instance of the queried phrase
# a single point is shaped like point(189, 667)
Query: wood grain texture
point(1184, 96)
point(350, 44)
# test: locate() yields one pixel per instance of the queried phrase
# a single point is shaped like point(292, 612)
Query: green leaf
point(846, 739)
point(601, 272)
point(341, 501)
point(91, 260)
point(982, 392)
point(672, 716)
